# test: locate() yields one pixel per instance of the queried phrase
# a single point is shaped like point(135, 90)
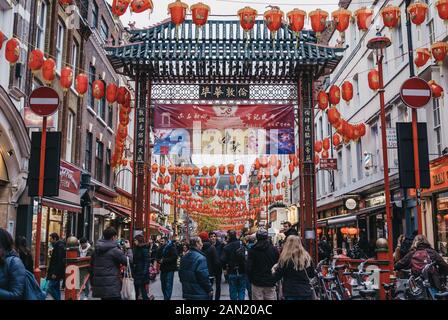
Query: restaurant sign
point(70, 178)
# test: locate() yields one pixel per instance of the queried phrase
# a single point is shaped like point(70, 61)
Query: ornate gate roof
point(222, 51)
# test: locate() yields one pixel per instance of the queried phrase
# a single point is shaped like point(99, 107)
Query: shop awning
point(158, 227)
point(337, 220)
point(61, 205)
point(115, 207)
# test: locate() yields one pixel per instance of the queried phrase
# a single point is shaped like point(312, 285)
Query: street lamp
point(378, 44)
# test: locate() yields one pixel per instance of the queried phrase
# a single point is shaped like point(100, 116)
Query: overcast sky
point(225, 7)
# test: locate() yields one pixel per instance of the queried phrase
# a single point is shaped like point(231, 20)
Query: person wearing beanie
point(261, 258)
point(213, 262)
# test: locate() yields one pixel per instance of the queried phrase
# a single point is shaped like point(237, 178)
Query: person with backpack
point(56, 268)
point(407, 244)
point(234, 260)
point(260, 260)
point(421, 254)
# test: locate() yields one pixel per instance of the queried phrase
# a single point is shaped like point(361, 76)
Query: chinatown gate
point(219, 64)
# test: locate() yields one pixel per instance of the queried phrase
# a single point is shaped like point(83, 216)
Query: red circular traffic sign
point(415, 92)
point(44, 101)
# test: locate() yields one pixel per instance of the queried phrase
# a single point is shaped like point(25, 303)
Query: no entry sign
point(44, 101)
point(415, 92)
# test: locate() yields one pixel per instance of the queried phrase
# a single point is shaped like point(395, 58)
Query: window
point(432, 35)
point(94, 15)
point(99, 161)
point(437, 125)
point(104, 32)
point(340, 170)
point(359, 159)
point(356, 89)
point(102, 109)
point(108, 157)
point(110, 116)
point(75, 58)
point(375, 140)
point(399, 46)
point(349, 164)
point(70, 136)
point(60, 45)
point(321, 127)
point(90, 100)
point(41, 25)
point(88, 157)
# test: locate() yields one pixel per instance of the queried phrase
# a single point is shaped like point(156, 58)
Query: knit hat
point(203, 235)
point(262, 234)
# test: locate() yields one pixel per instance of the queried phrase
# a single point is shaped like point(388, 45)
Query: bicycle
point(361, 288)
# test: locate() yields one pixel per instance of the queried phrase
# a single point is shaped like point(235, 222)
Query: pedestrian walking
point(56, 268)
point(12, 270)
point(152, 250)
point(233, 258)
point(324, 249)
point(85, 250)
point(289, 230)
point(106, 261)
point(261, 258)
point(25, 254)
point(194, 274)
point(295, 268)
point(213, 237)
point(140, 266)
point(249, 242)
point(167, 258)
point(213, 261)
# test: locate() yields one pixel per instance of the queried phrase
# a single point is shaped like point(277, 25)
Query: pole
point(414, 123)
point(385, 162)
point(43, 146)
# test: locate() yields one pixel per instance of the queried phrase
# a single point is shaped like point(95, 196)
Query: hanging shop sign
point(391, 137)
point(329, 164)
point(308, 153)
point(141, 135)
point(224, 92)
point(350, 204)
point(70, 178)
point(216, 129)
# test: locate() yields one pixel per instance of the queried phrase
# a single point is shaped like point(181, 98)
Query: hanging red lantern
point(273, 19)
point(341, 18)
point(318, 19)
point(349, 132)
point(437, 90)
point(439, 51)
point(257, 164)
point(98, 88)
point(167, 179)
point(391, 16)
point(111, 93)
point(81, 84)
point(362, 129)
point(442, 9)
point(291, 168)
point(119, 7)
point(199, 13)
point(178, 12)
point(122, 95)
point(139, 6)
point(334, 95)
point(417, 12)
point(336, 140)
point(12, 50)
point(322, 100)
point(347, 91)
point(241, 169)
point(422, 56)
point(318, 146)
point(65, 2)
point(66, 80)
point(35, 60)
point(333, 115)
point(212, 171)
point(204, 170)
point(326, 143)
point(296, 19)
point(247, 18)
point(2, 39)
point(374, 79)
point(364, 18)
point(162, 169)
point(49, 71)
point(154, 168)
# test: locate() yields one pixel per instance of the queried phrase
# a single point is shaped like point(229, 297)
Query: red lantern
point(247, 18)
point(291, 168)
point(81, 84)
point(322, 100)
point(35, 60)
point(318, 146)
point(178, 11)
point(111, 93)
point(318, 19)
point(204, 170)
point(2, 39)
point(212, 171)
point(65, 2)
point(374, 79)
point(391, 16)
point(122, 95)
point(98, 89)
point(66, 78)
point(119, 7)
point(333, 116)
point(326, 143)
point(417, 12)
point(139, 6)
point(12, 50)
point(325, 154)
point(162, 169)
point(49, 71)
point(439, 51)
point(334, 95)
point(273, 19)
point(336, 140)
point(364, 18)
point(437, 90)
point(257, 164)
point(199, 13)
point(241, 169)
point(341, 18)
point(422, 56)
point(347, 91)
point(442, 9)
point(167, 179)
point(296, 19)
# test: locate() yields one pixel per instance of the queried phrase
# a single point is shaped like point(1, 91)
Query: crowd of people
point(251, 264)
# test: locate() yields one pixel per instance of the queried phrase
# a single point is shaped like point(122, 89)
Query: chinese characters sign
point(231, 129)
point(329, 164)
point(223, 92)
point(141, 134)
point(308, 155)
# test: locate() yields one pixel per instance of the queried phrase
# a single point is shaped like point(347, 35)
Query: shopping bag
point(128, 289)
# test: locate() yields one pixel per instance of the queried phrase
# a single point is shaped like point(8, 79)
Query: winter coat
point(291, 232)
point(213, 261)
point(106, 261)
point(261, 258)
point(153, 252)
point(324, 250)
point(230, 259)
point(140, 265)
point(194, 276)
point(27, 259)
point(167, 257)
point(57, 261)
point(12, 277)
point(219, 247)
point(295, 282)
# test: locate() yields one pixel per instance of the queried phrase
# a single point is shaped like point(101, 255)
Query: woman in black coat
point(140, 266)
point(25, 254)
